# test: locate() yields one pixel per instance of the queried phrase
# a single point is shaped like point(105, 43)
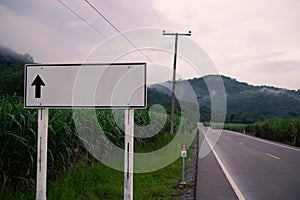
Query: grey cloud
point(243, 37)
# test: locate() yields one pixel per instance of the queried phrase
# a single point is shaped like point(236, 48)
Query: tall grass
point(228, 126)
point(17, 142)
point(279, 130)
point(18, 138)
point(98, 181)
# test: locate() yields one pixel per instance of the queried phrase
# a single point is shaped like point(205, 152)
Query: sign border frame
point(87, 107)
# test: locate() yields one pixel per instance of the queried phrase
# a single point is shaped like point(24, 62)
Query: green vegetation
point(66, 154)
point(12, 71)
point(70, 166)
point(96, 181)
point(74, 174)
point(235, 127)
point(279, 130)
point(245, 103)
point(156, 97)
point(18, 133)
point(228, 126)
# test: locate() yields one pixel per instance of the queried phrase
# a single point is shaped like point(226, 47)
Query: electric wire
point(75, 13)
point(93, 27)
point(112, 25)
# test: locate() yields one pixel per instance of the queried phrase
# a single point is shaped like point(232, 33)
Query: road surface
point(245, 167)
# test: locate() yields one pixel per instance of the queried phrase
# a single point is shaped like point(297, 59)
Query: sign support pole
point(41, 183)
point(129, 152)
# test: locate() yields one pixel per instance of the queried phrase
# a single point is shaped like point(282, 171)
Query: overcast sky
point(254, 41)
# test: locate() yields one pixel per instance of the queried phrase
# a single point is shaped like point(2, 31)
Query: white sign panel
point(119, 85)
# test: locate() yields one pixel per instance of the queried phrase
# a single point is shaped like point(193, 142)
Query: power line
point(75, 13)
point(112, 25)
point(93, 27)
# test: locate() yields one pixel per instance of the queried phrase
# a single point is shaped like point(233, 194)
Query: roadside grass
point(69, 163)
point(160, 184)
point(235, 127)
point(101, 182)
point(97, 181)
point(285, 131)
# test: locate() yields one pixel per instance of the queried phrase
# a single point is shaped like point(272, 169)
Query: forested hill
point(12, 71)
point(245, 103)
point(12, 61)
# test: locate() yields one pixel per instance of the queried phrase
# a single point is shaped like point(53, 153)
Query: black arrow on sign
point(38, 83)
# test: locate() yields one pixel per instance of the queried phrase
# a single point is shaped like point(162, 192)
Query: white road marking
point(266, 141)
point(227, 174)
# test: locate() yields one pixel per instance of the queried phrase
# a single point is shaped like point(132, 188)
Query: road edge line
point(266, 141)
point(226, 172)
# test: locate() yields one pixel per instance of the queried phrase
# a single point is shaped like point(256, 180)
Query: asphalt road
point(254, 168)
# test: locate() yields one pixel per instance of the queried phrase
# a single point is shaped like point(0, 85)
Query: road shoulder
point(211, 180)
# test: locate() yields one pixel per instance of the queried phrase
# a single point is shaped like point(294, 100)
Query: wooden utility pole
point(174, 75)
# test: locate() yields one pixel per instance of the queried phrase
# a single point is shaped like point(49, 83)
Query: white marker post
point(183, 155)
point(41, 182)
point(129, 152)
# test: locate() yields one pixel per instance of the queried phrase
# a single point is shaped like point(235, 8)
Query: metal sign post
point(41, 182)
point(129, 152)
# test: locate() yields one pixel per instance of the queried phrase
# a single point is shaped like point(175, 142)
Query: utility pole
point(174, 75)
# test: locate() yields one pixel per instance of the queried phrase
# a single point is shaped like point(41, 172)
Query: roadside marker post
point(183, 155)
point(114, 85)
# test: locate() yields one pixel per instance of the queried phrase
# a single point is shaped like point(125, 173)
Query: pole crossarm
point(182, 34)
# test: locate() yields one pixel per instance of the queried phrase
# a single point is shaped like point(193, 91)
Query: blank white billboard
point(116, 85)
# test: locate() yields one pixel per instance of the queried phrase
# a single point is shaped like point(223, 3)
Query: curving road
point(245, 167)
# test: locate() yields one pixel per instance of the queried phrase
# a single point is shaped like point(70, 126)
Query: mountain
point(245, 103)
point(12, 71)
point(13, 61)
